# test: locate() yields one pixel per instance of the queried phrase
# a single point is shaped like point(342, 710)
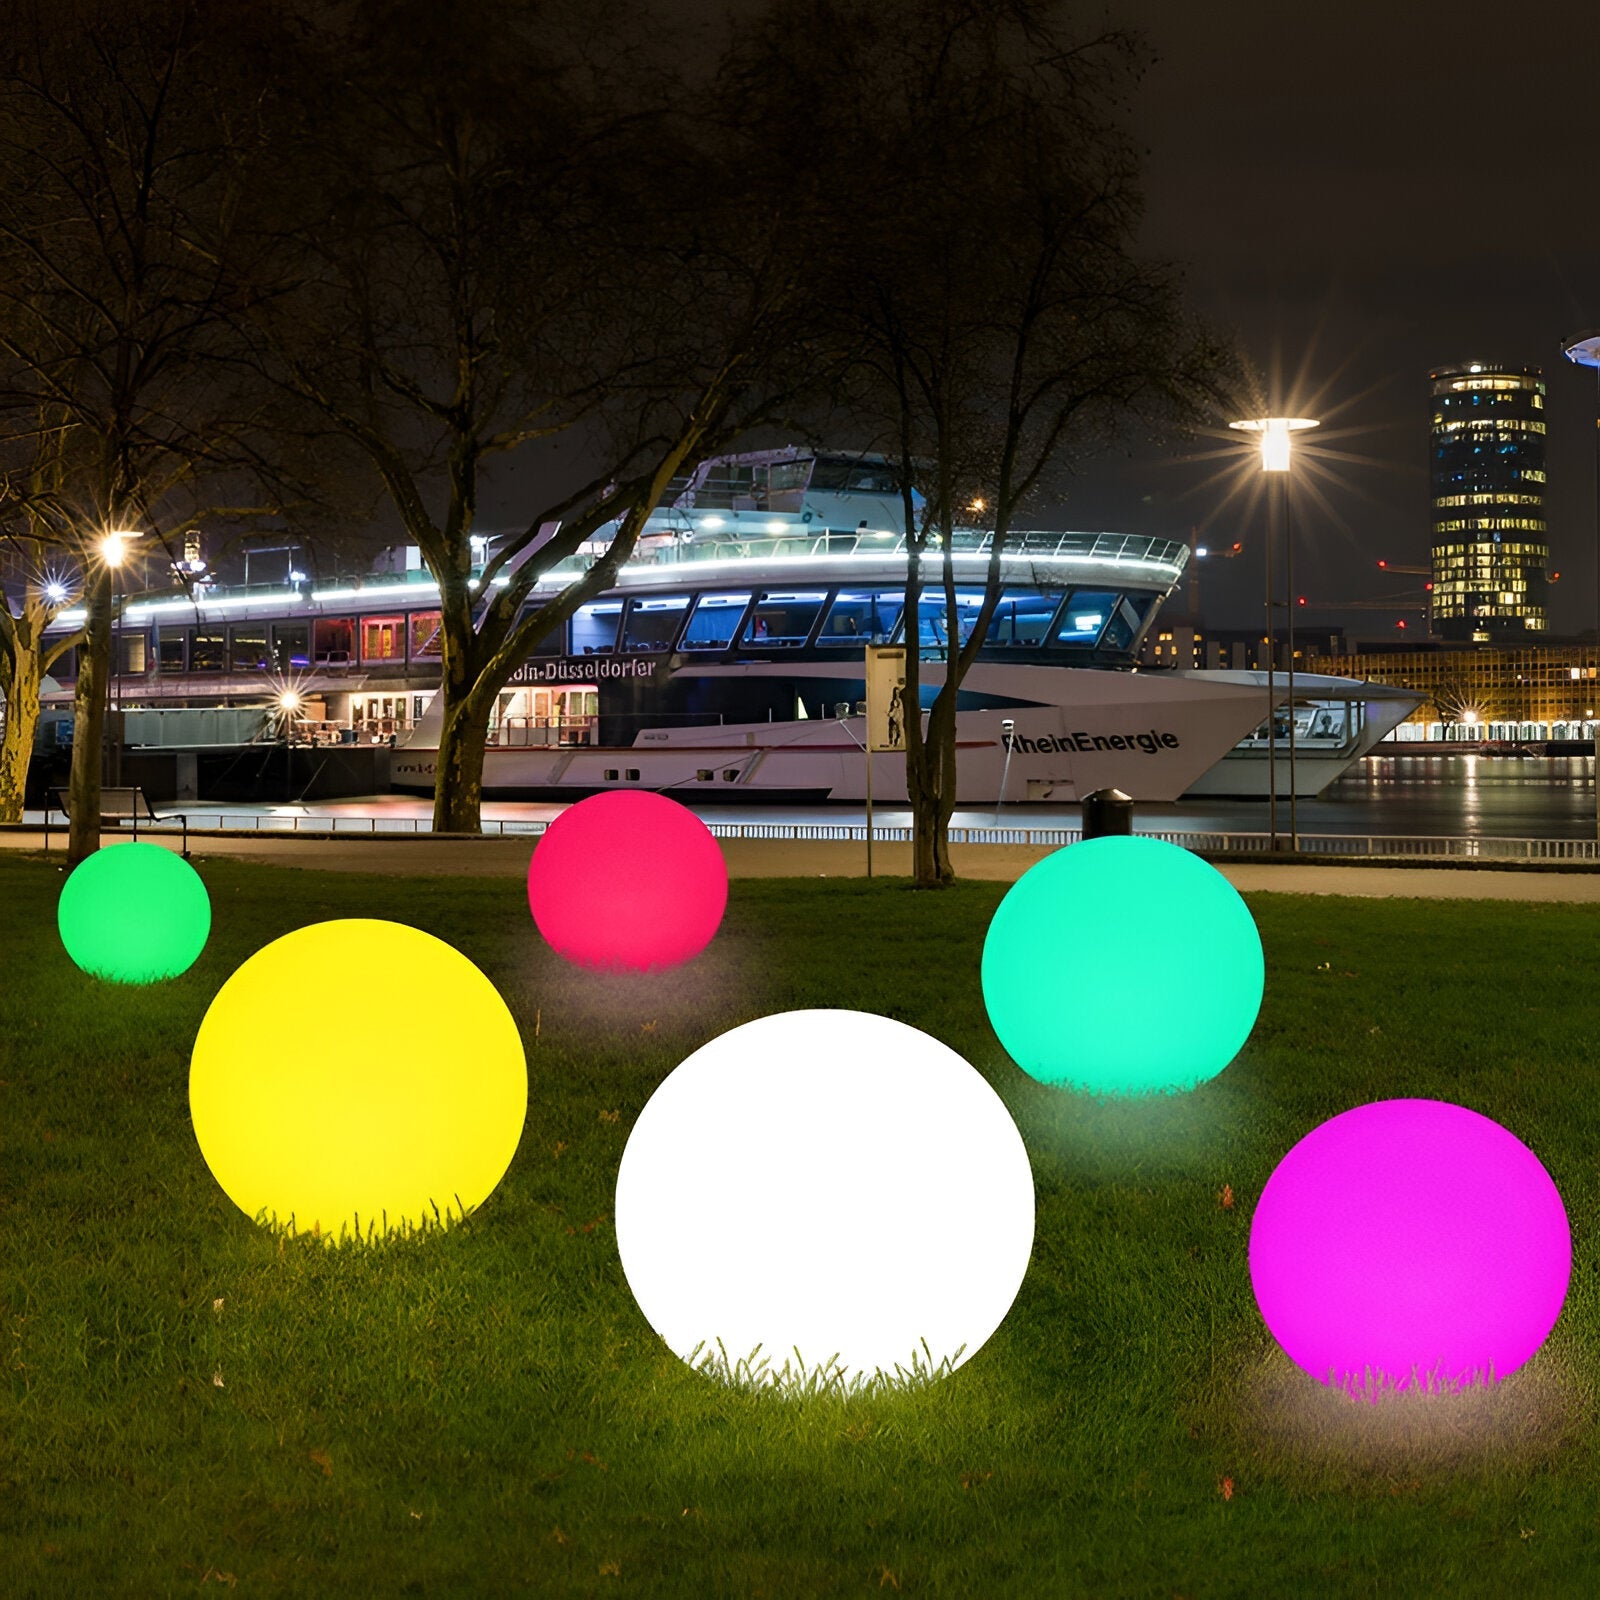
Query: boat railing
point(684, 548)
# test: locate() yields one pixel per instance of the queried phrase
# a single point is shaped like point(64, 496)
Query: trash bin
point(1107, 811)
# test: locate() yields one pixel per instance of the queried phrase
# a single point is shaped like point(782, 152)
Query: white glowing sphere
point(830, 1192)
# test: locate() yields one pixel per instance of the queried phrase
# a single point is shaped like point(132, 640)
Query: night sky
point(1362, 190)
point(1370, 190)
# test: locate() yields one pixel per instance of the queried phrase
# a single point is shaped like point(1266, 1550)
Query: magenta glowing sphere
point(1410, 1242)
point(628, 881)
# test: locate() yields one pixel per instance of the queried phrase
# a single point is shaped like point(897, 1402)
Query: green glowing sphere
point(134, 913)
point(1122, 966)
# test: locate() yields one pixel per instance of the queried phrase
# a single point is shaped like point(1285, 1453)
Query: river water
point(1507, 797)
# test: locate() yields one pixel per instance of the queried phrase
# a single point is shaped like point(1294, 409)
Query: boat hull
point(1073, 731)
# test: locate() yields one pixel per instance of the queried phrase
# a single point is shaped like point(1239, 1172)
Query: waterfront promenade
point(424, 855)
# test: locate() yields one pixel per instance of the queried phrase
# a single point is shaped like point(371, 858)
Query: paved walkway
point(406, 855)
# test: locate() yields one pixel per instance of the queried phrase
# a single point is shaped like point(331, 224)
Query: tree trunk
point(458, 775)
point(932, 792)
point(89, 715)
point(22, 718)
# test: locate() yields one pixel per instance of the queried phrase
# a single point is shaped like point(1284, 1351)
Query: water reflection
point(1508, 797)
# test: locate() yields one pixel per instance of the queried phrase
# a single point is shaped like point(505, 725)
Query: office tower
point(1487, 481)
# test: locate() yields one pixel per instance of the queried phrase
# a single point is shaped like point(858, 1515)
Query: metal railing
point(803, 541)
point(1327, 846)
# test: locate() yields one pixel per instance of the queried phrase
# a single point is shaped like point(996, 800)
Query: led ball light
point(627, 881)
point(134, 913)
point(830, 1192)
point(358, 1078)
point(1410, 1242)
point(1080, 993)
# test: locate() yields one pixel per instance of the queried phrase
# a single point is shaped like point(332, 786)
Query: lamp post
point(1275, 434)
point(1584, 350)
point(113, 551)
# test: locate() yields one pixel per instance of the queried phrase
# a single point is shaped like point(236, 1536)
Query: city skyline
point(1371, 193)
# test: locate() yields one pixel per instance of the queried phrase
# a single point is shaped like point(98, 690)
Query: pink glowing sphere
point(628, 881)
point(1410, 1242)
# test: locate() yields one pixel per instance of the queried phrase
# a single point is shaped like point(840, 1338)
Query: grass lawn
point(191, 1404)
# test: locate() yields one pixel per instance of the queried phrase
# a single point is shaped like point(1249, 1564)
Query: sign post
point(886, 713)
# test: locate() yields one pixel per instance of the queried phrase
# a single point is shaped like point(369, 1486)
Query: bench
point(116, 805)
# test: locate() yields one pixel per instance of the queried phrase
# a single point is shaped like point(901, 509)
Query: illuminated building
point(1487, 482)
point(1514, 693)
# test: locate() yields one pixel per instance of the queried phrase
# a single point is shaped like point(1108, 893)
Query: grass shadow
point(1326, 1437)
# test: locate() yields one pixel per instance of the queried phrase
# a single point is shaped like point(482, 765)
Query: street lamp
point(113, 552)
point(1583, 349)
point(1275, 434)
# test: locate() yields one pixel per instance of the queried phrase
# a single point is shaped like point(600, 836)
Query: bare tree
point(509, 250)
point(117, 185)
point(39, 585)
point(1005, 324)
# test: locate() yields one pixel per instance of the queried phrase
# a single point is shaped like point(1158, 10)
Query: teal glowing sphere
point(1122, 966)
point(134, 913)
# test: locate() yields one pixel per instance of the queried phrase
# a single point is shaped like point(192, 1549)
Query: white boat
point(1336, 722)
point(729, 658)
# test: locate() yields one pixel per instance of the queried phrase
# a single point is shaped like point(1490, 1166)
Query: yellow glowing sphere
point(358, 1078)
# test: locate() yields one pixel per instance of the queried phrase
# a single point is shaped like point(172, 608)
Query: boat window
point(784, 620)
point(291, 645)
point(249, 647)
point(333, 639)
point(858, 477)
point(135, 651)
point(1022, 618)
point(1126, 617)
point(171, 653)
point(383, 639)
point(788, 474)
point(715, 620)
point(594, 627)
point(208, 650)
point(862, 616)
point(1086, 615)
point(653, 621)
point(933, 627)
point(427, 642)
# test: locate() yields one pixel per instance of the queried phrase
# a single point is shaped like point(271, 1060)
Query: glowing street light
point(114, 548)
point(1275, 435)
